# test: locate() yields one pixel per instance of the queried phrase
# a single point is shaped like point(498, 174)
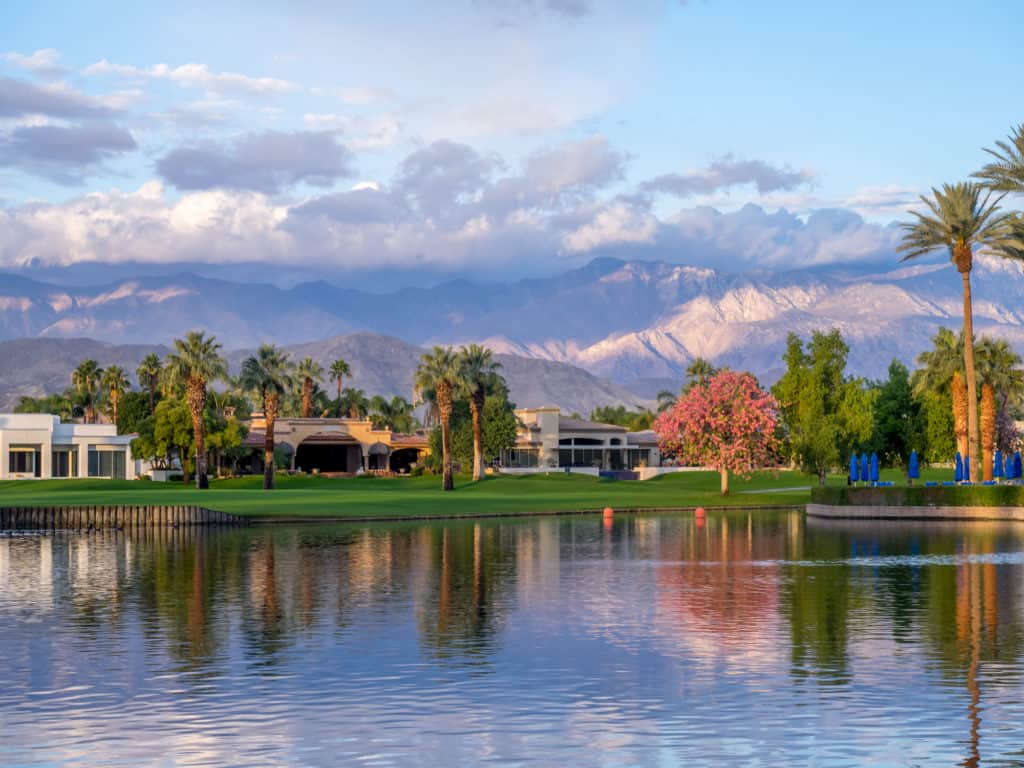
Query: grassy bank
point(310, 497)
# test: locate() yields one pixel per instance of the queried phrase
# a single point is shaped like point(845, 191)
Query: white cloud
point(361, 133)
point(42, 62)
point(613, 225)
point(196, 76)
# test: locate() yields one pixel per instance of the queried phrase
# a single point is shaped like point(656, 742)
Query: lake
point(749, 639)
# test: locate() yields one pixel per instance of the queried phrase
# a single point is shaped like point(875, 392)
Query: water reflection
point(751, 637)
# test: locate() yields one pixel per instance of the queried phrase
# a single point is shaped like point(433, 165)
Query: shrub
point(920, 496)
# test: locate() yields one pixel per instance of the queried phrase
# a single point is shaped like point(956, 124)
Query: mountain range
point(636, 323)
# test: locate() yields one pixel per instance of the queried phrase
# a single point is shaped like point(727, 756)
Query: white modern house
point(39, 446)
point(547, 440)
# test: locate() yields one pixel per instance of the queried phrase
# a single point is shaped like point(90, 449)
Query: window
point(521, 457)
point(106, 461)
point(65, 462)
point(25, 460)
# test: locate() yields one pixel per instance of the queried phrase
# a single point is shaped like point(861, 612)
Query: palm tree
point(267, 374)
point(338, 370)
point(960, 218)
point(478, 371)
point(698, 372)
point(394, 414)
point(1006, 172)
point(353, 403)
point(115, 382)
point(440, 371)
point(309, 372)
point(195, 363)
point(148, 373)
point(86, 381)
point(666, 400)
point(1002, 382)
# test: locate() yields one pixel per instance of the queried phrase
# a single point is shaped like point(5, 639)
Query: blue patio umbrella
point(914, 466)
point(967, 469)
point(874, 467)
point(958, 467)
point(1008, 469)
point(1016, 465)
point(864, 467)
point(853, 468)
point(997, 464)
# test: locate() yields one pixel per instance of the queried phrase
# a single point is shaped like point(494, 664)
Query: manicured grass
point(308, 497)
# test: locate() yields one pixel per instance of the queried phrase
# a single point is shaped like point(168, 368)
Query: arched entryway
point(329, 452)
point(377, 457)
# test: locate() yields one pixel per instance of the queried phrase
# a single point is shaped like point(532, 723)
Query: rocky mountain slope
point(637, 323)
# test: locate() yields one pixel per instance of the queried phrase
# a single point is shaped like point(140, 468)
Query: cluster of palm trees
point(963, 218)
point(697, 374)
point(444, 375)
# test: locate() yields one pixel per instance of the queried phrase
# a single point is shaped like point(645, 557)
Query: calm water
point(751, 640)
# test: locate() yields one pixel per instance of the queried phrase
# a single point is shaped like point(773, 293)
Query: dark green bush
point(919, 496)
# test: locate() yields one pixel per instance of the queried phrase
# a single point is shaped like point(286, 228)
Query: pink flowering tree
point(728, 425)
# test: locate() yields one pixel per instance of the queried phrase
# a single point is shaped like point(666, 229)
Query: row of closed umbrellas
point(865, 468)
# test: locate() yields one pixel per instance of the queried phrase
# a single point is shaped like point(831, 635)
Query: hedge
point(920, 496)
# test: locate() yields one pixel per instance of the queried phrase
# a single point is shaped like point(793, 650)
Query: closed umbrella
point(997, 464)
point(864, 474)
point(874, 467)
point(1016, 465)
point(914, 466)
point(967, 469)
point(853, 467)
point(1008, 469)
point(958, 467)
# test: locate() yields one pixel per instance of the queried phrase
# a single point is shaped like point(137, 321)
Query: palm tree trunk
point(339, 387)
point(152, 400)
point(307, 398)
point(972, 382)
point(959, 393)
point(444, 404)
point(476, 407)
point(270, 415)
point(988, 429)
point(114, 397)
point(196, 404)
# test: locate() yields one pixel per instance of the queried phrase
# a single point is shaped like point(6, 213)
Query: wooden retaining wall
point(110, 517)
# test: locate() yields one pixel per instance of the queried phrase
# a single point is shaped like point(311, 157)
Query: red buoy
point(698, 512)
point(608, 511)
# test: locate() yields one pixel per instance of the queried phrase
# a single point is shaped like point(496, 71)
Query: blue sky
point(510, 135)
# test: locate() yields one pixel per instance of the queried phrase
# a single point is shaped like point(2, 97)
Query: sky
point(493, 138)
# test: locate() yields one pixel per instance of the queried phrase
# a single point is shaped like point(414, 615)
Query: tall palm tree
point(148, 373)
point(960, 218)
point(478, 371)
point(440, 371)
point(195, 363)
point(268, 374)
point(309, 373)
point(666, 399)
point(1002, 382)
point(115, 382)
point(338, 370)
point(86, 381)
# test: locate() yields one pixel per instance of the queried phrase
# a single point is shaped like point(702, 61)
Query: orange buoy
point(698, 512)
point(608, 511)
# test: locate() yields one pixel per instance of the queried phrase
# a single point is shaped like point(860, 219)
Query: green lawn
point(303, 497)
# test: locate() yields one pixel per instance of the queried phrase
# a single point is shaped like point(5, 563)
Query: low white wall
point(915, 513)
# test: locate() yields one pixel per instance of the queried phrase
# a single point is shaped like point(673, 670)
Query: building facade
point(40, 446)
point(339, 446)
point(548, 440)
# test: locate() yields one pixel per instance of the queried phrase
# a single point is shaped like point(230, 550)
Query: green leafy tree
point(58, 405)
point(635, 421)
point(439, 370)
point(268, 374)
point(194, 363)
point(960, 218)
point(824, 412)
point(132, 410)
point(898, 426)
point(498, 431)
point(353, 404)
point(148, 373)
